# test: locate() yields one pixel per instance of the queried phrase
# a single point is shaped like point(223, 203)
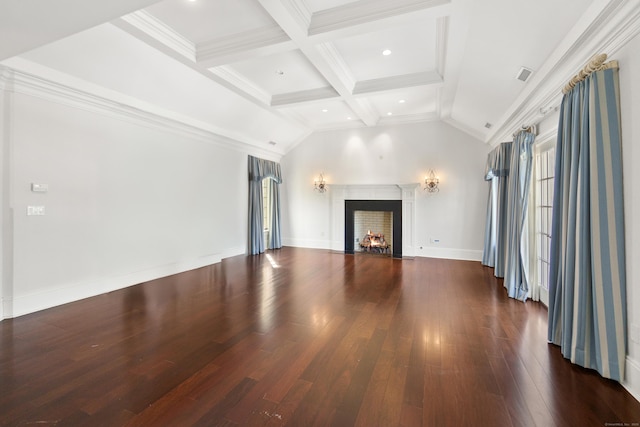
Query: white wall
point(629, 59)
point(128, 201)
point(399, 154)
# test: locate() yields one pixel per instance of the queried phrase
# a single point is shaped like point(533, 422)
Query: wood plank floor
point(301, 337)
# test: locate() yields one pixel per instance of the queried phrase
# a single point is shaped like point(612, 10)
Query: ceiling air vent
point(524, 74)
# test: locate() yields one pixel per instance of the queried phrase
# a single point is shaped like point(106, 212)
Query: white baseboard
point(632, 377)
point(429, 252)
point(450, 253)
point(306, 243)
point(30, 303)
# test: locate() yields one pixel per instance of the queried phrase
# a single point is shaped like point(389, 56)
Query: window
point(545, 167)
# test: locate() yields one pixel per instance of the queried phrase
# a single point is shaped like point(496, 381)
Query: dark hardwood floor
point(301, 337)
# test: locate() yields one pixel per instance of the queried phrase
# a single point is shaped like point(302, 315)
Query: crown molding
point(303, 96)
point(606, 26)
point(158, 30)
point(94, 99)
point(362, 11)
point(247, 44)
point(427, 78)
point(408, 118)
point(241, 83)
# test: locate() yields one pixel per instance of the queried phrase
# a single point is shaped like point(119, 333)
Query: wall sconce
point(320, 185)
point(431, 182)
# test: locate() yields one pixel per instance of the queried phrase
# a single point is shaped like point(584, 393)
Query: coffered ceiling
point(273, 71)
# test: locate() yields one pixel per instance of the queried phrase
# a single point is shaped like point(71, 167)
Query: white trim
point(426, 78)
point(632, 377)
point(306, 243)
point(241, 82)
point(360, 12)
point(304, 96)
point(336, 62)
point(76, 93)
point(243, 45)
point(30, 303)
point(161, 32)
point(450, 253)
point(408, 118)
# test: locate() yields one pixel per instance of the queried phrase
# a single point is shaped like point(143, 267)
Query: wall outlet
point(35, 210)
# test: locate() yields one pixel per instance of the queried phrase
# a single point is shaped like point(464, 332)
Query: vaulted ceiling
point(270, 72)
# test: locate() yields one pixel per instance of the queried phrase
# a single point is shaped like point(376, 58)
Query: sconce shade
point(431, 182)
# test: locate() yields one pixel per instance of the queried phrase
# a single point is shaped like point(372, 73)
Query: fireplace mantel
point(404, 192)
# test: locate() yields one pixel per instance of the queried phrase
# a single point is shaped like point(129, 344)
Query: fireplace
point(380, 208)
point(403, 197)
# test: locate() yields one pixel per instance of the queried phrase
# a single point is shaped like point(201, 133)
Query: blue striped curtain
point(516, 277)
point(260, 169)
point(495, 233)
point(587, 295)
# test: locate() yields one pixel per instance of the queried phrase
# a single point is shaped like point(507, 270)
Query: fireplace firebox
point(393, 206)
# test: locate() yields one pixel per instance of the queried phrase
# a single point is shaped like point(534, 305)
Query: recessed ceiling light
point(402, 101)
point(389, 113)
point(386, 52)
point(324, 110)
point(348, 118)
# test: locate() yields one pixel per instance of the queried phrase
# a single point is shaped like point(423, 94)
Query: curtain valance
point(260, 169)
point(498, 162)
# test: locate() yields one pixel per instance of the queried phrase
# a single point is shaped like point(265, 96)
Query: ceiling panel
point(323, 114)
point(201, 21)
point(410, 101)
point(412, 50)
point(281, 73)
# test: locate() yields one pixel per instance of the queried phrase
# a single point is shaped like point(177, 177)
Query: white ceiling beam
point(242, 46)
point(148, 24)
point(360, 12)
point(427, 78)
point(287, 14)
point(161, 37)
point(303, 96)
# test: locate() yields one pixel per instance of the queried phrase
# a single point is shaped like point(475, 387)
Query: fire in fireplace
point(374, 242)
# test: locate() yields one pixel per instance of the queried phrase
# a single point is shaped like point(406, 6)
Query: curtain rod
point(595, 64)
point(531, 129)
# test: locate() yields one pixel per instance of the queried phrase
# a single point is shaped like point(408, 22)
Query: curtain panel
point(496, 172)
point(587, 295)
point(260, 169)
point(516, 277)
